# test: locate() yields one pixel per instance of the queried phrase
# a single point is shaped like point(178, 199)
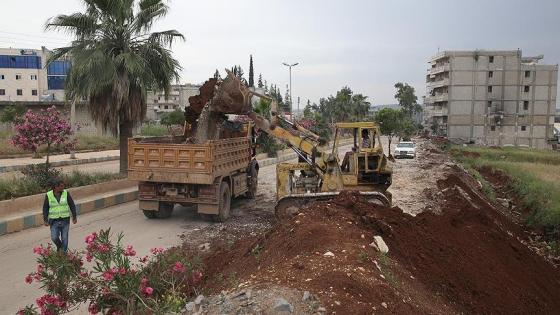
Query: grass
point(20, 187)
point(151, 130)
point(85, 142)
point(535, 178)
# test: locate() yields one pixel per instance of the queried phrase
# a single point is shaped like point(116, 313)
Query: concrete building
point(24, 77)
point(491, 98)
point(178, 99)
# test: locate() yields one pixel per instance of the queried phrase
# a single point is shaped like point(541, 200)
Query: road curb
point(12, 168)
point(35, 219)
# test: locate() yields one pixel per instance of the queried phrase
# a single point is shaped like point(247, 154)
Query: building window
point(490, 74)
point(526, 89)
point(491, 59)
point(18, 76)
point(1, 77)
point(489, 103)
point(34, 92)
point(166, 107)
point(523, 128)
point(490, 89)
point(155, 101)
point(527, 74)
point(19, 92)
point(34, 77)
point(56, 74)
point(493, 128)
point(525, 105)
point(20, 62)
point(2, 92)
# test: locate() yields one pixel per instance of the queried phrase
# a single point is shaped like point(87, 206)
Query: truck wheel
point(253, 183)
point(165, 210)
point(225, 202)
point(150, 214)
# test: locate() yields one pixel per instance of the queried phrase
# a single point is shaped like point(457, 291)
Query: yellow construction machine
point(320, 173)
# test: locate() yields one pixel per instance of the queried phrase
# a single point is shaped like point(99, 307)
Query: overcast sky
point(367, 45)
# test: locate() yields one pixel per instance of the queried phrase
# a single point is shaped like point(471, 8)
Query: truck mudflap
point(291, 205)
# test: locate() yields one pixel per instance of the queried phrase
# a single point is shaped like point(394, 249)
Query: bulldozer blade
point(231, 96)
point(290, 206)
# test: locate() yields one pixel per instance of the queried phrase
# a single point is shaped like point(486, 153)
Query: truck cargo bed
point(186, 163)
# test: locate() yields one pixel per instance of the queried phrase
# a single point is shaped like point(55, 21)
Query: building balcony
point(439, 69)
point(439, 112)
point(437, 98)
point(436, 84)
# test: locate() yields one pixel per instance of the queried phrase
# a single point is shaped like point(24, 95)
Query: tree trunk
point(48, 153)
point(125, 132)
point(389, 148)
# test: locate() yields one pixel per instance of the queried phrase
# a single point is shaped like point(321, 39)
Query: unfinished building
point(491, 98)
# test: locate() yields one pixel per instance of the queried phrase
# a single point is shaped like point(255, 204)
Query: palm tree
point(116, 60)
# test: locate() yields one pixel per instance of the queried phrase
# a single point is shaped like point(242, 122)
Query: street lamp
point(290, 66)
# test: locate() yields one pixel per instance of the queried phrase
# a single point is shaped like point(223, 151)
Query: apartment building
point(178, 98)
point(491, 98)
point(24, 78)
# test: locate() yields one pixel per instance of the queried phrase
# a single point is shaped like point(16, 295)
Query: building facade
point(24, 77)
point(491, 98)
point(178, 98)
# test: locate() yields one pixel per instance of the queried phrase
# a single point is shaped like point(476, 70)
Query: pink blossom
point(28, 279)
point(40, 268)
point(103, 248)
point(92, 308)
point(157, 250)
point(89, 257)
point(108, 275)
point(144, 259)
point(122, 271)
point(178, 267)
point(90, 238)
point(148, 291)
point(129, 251)
point(196, 276)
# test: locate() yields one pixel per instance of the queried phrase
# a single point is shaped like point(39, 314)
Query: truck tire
point(225, 203)
point(150, 214)
point(253, 182)
point(165, 210)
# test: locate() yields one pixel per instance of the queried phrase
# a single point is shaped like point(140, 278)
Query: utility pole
point(290, 66)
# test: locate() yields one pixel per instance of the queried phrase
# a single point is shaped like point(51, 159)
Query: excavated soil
point(468, 259)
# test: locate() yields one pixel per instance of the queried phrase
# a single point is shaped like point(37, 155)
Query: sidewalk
point(15, 164)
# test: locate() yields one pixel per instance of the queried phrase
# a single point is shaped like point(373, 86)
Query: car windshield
point(405, 145)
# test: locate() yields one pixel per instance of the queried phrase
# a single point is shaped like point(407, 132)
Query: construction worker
point(57, 207)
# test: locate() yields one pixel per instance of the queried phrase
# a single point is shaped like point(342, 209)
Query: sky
point(366, 45)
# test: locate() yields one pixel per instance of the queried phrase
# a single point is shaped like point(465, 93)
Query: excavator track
point(290, 206)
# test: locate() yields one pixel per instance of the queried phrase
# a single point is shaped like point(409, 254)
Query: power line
point(32, 35)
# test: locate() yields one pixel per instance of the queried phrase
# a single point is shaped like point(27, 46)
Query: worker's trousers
point(59, 233)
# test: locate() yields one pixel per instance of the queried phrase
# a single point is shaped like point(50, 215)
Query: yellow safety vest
point(58, 209)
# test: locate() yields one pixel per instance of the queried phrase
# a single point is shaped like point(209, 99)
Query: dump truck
point(175, 170)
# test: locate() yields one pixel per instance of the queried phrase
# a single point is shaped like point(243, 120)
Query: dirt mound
point(197, 102)
point(466, 260)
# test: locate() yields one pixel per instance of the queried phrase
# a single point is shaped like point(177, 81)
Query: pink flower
point(196, 276)
point(144, 259)
point(89, 257)
point(129, 251)
point(92, 308)
point(103, 248)
point(122, 271)
point(148, 291)
point(178, 267)
point(40, 268)
point(157, 250)
point(108, 276)
point(143, 282)
point(28, 279)
point(90, 238)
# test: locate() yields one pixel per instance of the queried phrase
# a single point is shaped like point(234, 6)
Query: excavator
point(320, 173)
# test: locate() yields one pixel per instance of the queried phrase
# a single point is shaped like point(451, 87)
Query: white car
point(405, 149)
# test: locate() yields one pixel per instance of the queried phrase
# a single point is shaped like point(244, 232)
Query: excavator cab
point(364, 164)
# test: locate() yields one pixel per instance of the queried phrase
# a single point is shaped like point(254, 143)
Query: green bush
point(28, 185)
point(40, 174)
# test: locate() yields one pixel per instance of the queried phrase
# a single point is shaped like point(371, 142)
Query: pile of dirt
point(197, 102)
point(466, 260)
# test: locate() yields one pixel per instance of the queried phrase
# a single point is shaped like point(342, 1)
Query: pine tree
point(265, 86)
point(251, 73)
point(260, 82)
point(217, 74)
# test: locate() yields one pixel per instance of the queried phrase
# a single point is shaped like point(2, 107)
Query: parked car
point(405, 149)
